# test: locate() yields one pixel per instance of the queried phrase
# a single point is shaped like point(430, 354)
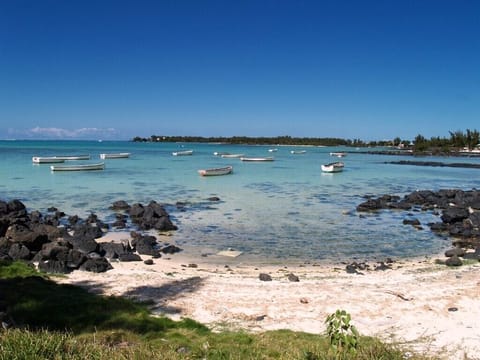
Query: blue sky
point(352, 69)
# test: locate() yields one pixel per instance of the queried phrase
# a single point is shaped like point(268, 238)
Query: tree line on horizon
point(457, 141)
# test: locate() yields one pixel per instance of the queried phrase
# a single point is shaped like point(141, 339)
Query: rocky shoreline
point(61, 244)
point(458, 210)
point(435, 164)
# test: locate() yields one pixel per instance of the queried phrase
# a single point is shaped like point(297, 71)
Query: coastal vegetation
point(45, 320)
point(457, 141)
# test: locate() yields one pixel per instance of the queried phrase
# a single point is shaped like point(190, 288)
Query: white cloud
point(60, 133)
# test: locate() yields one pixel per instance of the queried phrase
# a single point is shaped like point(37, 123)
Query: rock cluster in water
point(458, 210)
point(61, 244)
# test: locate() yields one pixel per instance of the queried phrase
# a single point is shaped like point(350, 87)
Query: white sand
point(407, 305)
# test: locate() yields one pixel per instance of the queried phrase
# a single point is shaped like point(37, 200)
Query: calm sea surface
point(282, 210)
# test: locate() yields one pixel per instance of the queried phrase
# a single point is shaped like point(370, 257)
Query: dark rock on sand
point(54, 267)
point(170, 249)
point(19, 252)
point(265, 277)
point(22, 234)
point(152, 216)
point(455, 252)
point(293, 278)
point(129, 257)
point(97, 265)
point(112, 250)
point(454, 261)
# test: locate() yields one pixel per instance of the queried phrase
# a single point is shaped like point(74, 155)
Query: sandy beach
point(425, 306)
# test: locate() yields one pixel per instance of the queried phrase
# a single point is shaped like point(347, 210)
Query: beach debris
point(399, 295)
point(230, 253)
point(264, 277)
point(452, 309)
point(304, 300)
point(148, 262)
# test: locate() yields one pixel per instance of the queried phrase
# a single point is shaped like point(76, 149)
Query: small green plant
point(343, 336)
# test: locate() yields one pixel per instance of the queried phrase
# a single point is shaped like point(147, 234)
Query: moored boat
point(231, 156)
point(257, 159)
point(296, 152)
point(47, 160)
point(115, 156)
point(216, 171)
point(333, 167)
point(73, 157)
point(338, 154)
point(273, 150)
point(79, 167)
point(182, 153)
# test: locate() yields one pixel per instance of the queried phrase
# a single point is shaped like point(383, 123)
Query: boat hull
point(183, 153)
point(115, 156)
point(73, 157)
point(216, 172)
point(231, 156)
point(83, 167)
point(257, 159)
point(47, 160)
point(333, 167)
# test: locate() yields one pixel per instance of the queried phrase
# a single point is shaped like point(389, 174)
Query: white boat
point(80, 167)
point(230, 156)
point(296, 152)
point(114, 156)
point(338, 154)
point(273, 150)
point(216, 171)
point(47, 160)
point(73, 157)
point(220, 153)
point(182, 153)
point(258, 159)
point(333, 167)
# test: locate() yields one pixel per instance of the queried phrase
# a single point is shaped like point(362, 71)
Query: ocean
point(285, 210)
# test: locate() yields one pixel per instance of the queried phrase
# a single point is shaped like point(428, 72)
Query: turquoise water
point(287, 209)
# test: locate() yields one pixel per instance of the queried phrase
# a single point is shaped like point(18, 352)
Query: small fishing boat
point(273, 150)
point(79, 167)
point(296, 152)
point(220, 153)
point(333, 167)
point(257, 159)
point(216, 171)
point(338, 154)
point(115, 156)
point(231, 156)
point(74, 157)
point(182, 153)
point(47, 160)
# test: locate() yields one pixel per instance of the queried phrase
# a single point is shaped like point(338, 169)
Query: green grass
point(56, 321)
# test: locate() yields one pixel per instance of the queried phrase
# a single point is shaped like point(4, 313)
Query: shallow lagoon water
point(282, 210)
